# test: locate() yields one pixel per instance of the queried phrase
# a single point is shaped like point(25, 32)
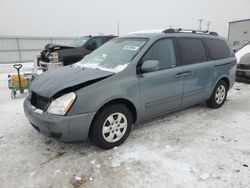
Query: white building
point(239, 33)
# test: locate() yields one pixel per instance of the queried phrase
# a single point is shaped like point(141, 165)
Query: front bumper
point(243, 75)
point(65, 128)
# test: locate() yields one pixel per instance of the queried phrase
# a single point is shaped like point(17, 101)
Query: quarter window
point(218, 49)
point(191, 50)
point(162, 51)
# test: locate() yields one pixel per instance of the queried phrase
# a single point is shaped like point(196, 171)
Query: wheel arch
point(126, 102)
point(210, 102)
point(226, 79)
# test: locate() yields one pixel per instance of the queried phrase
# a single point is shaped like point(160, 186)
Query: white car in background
point(243, 64)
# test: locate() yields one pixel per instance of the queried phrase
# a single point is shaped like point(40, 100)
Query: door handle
point(187, 73)
point(179, 75)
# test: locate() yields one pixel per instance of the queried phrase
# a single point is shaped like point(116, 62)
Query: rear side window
point(218, 49)
point(162, 51)
point(192, 50)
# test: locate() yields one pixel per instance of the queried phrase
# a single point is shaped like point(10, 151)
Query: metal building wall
point(24, 49)
point(239, 33)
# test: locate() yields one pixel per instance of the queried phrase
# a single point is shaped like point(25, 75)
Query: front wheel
point(218, 96)
point(111, 126)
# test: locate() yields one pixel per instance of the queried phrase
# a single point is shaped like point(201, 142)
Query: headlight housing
point(61, 105)
point(54, 57)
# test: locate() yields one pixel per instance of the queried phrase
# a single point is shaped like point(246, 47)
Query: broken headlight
point(61, 105)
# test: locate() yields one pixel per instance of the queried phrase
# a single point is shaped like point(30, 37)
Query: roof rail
point(180, 30)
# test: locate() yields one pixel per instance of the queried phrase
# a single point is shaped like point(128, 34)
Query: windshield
point(114, 55)
point(79, 42)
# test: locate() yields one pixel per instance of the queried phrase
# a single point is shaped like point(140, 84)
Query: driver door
point(161, 90)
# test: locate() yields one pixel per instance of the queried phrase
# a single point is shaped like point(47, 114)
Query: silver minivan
point(128, 80)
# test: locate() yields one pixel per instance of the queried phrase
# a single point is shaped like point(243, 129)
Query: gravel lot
point(195, 147)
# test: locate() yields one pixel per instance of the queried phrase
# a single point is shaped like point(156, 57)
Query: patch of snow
point(57, 172)
point(32, 174)
point(78, 178)
point(157, 160)
point(204, 176)
point(98, 166)
point(116, 69)
point(93, 162)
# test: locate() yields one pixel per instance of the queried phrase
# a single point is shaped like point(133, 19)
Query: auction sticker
point(132, 48)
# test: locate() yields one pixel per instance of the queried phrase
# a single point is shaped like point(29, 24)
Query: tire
point(107, 128)
point(218, 96)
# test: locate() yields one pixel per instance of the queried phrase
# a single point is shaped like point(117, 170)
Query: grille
point(43, 56)
point(243, 66)
point(39, 101)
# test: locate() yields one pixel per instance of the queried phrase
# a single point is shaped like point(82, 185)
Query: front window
point(115, 55)
point(162, 51)
point(79, 42)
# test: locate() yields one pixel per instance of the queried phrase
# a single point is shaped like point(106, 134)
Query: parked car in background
point(128, 80)
point(54, 55)
point(243, 64)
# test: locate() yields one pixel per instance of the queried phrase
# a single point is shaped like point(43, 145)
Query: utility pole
point(118, 28)
point(208, 25)
point(200, 22)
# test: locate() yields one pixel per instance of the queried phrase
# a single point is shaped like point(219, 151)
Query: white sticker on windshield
point(132, 48)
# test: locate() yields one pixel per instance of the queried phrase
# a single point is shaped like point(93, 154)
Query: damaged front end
point(49, 58)
point(54, 91)
point(50, 48)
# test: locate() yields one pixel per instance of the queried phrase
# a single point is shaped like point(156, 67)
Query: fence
point(24, 49)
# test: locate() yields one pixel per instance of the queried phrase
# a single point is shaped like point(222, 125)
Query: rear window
point(192, 50)
point(217, 49)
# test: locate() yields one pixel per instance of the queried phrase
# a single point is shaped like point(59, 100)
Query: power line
point(200, 22)
point(208, 25)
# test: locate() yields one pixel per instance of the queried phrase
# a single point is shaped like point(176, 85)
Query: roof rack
point(180, 30)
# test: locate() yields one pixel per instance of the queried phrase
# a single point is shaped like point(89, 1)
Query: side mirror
point(150, 66)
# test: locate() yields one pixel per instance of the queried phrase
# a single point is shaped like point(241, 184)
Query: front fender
point(93, 97)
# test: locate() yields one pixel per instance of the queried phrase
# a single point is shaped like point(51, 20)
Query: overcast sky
point(84, 17)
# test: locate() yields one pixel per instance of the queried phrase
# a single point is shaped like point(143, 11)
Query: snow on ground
point(196, 147)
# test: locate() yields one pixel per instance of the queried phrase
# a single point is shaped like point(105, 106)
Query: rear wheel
point(218, 96)
point(111, 126)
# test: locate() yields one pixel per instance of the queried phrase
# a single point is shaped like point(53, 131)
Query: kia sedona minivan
point(128, 80)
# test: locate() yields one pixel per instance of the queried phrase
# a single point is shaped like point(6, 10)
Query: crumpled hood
point(53, 81)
